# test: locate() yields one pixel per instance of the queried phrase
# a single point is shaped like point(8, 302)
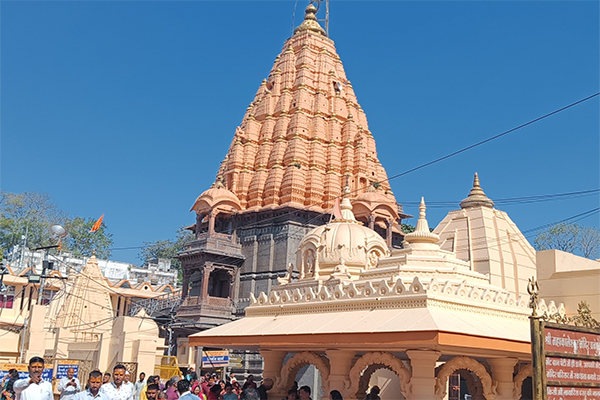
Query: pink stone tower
point(304, 133)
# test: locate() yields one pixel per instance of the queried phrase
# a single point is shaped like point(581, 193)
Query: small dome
point(373, 201)
point(217, 196)
point(310, 22)
point(340, 249)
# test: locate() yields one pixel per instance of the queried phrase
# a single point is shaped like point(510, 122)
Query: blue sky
point(127, 108)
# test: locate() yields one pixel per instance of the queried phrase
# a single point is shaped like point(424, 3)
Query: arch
point(293, 365)
point(473, 385)
point(524, 372)
point(462, 362)
point(382, 360)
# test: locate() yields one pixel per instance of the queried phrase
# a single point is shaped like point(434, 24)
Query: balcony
point(216, 241)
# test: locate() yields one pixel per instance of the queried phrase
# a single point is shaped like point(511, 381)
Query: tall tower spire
point(303, 132)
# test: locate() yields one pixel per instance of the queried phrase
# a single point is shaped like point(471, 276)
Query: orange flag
point(97, 224)
point(337, 211)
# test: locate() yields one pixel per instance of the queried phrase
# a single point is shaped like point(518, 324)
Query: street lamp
point(58, 231)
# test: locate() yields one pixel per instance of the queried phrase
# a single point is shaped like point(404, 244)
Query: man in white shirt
point(93, 391)
point(139, 385)
point(117, 390)
point(69, 386)
point(34, 388)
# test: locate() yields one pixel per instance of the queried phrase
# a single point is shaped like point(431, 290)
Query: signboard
point(215, 359)
point(566, 361)
point(24, 371)
point(63, 366)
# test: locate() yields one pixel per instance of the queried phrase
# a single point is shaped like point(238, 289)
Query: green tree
point(81, 242)
point(167, 249)
point(31, 214)
point(407, 228)
point(28, 215)
point(570, 237)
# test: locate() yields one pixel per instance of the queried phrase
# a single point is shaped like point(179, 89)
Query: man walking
point(34, 388)
point(69, 386)
point(183, 387)
point(117, 390)
point(93, 390)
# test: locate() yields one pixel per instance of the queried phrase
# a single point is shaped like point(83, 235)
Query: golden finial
point(310, 22)
point(477, 196)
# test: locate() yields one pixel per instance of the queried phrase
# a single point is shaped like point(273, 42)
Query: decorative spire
point(346, 206)
point(476, 197)
point(422, 233)
point(310, 22)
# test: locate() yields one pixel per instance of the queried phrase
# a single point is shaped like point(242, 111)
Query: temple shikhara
point(299, 259)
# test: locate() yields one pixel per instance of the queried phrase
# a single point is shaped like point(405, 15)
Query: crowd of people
point(118, 386)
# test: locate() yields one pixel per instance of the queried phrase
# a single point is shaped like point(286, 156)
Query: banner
point(23, 371)
point(62, 367)
point(215, 359)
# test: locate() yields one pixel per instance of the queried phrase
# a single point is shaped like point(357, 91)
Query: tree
point(407, 228)
point(167, 249)
point(81, 242)
point(28, 215)
point(31, 214)
point(570, 237)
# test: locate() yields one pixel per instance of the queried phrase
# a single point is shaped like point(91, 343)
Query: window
point(47, 296)
point(7, 298)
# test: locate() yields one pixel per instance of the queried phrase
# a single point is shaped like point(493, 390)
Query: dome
point(216, 196)
point(340, 249)
point(374, 202)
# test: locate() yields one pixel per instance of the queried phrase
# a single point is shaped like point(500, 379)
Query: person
point(249, 394)
point(139, 385)
point(183, 387)
point(34, 388)
point(127, 381)
point(249, 383)
point(116, 390)
point(335, 395)
point(229, 393)
point(292, 395)
point(106, 378)
point(170, 390)
point(8, 392)
point(265, 386)
point(93, 390)
point(191, 375)
point(304, 393)
point(373, 394)
point(152, 391)
point(214, 392)
point(69, 386)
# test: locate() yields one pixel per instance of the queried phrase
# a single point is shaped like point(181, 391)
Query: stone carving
point(379, 358)
point(372, 259)
point(462, 362)
point(288, 276)
point(524, 372)
point(293, 365)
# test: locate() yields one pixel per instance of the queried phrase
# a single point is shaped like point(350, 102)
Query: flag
point(337, 211)
point(97, 224)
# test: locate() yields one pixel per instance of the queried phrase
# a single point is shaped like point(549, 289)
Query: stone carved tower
point(302, 139)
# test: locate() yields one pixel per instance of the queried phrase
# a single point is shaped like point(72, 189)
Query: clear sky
point(127, 108)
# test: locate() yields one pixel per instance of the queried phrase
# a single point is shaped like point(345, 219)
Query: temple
point(301, 139)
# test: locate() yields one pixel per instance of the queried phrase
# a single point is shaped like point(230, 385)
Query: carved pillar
point(231, 274)
point(199, 218)
point(273, 361)
point(340, 362)
point(502, 372)
point(186, 284)
point(371, 219)
point(206, 270)
point(388, 232)
point(211, 222)
point(423, 373)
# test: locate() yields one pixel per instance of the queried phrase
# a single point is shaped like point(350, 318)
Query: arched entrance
point(294, 364)
point(471, 370)
point(364, 368)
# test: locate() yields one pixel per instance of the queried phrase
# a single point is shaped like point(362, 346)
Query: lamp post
point(59, 232)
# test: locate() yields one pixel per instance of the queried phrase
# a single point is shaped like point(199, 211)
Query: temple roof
point(304, 133)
